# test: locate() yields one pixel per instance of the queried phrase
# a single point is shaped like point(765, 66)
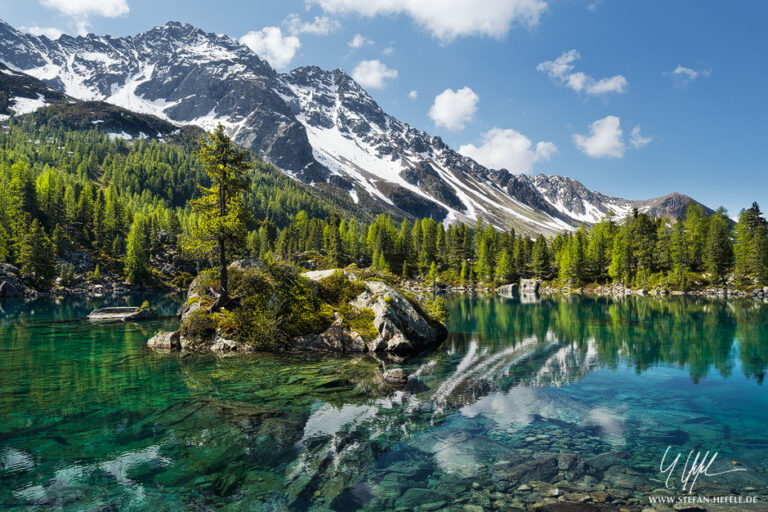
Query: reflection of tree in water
point(642, 331)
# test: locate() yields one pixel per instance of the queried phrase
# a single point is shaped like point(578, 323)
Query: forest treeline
point(126, 203)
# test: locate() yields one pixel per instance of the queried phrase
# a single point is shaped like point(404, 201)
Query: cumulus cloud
point(107, 8)
point(82, 10)
point(321, 25)
point(508, 149)
point(453, 109)
point(359, 41)
point(562, 70)
point(683, 76)
point(413, 94)
point(605, 139)
point(637, 140)
point(448, 19)
point(49, 32)
point(270, 44)
point(373, 73)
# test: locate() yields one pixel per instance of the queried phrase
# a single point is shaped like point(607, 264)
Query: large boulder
point(165, 340)
point(401, 327)
point(11, 285)
point(529, 285)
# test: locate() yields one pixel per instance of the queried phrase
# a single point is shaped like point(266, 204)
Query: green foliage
point(337, 289)
point(279, 305)
point(436, 309)
point(198, 326)
point(36, 256)
point(360, 321)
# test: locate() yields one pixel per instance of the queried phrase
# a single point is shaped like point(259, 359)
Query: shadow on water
point(89, 416)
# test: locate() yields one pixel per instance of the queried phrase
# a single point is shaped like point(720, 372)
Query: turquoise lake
point(525, 401)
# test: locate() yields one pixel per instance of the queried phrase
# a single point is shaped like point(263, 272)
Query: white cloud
point(453, 109)
point(508, 149)
point(373, 73)
point(359, 41)
point(561, 69)
point(448, 19)
point(605, 139)
point(107, 8)
point(388, 51)
point(684, 76)
point(413, 94)
point(49, 32)
point(321, 25)
point(637, 140)
point(270, 44)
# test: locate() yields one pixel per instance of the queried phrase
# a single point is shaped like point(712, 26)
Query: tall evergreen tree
point(223, 217)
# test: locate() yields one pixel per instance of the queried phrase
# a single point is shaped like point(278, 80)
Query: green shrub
point(338, 289)
point(198, 326)
point(360, 321)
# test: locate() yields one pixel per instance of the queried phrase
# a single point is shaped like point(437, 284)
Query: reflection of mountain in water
point(503, 362)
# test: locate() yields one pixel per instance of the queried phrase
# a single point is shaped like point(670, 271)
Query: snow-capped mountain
point(318, 126)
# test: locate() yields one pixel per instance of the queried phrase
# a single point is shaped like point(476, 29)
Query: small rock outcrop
point(122, 314)
point(394, 324)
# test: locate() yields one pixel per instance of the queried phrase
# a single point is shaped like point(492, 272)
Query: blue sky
point(633, 98)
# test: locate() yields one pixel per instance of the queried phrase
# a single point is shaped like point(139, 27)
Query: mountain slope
point(318, 126)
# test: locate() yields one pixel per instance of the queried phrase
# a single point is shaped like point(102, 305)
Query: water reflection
point(581, 390)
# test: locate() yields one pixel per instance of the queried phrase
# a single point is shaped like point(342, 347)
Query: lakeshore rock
point(529, 285)
point(508, 290)
point(165, 340)
point(11, 286)
point(401, 327)
point(122, 314)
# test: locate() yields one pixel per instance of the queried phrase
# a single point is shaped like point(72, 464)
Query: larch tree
point(221, 228)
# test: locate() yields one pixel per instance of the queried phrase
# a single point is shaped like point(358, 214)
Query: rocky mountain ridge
point(318, 126)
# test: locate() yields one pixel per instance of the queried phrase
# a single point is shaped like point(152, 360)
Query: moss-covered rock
point(276, 308)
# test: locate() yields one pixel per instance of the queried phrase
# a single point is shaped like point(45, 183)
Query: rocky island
point(277, 308)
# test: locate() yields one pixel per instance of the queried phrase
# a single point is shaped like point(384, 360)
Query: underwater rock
point(396, 376)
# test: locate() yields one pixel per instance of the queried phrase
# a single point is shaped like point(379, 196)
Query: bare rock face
point(401, 327)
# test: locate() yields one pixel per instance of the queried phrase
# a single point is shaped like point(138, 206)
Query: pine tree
point(223, 217)
point(504, 268)
point(37, 256)
point(719, 250)
point(540, 258)
point(137, 252)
